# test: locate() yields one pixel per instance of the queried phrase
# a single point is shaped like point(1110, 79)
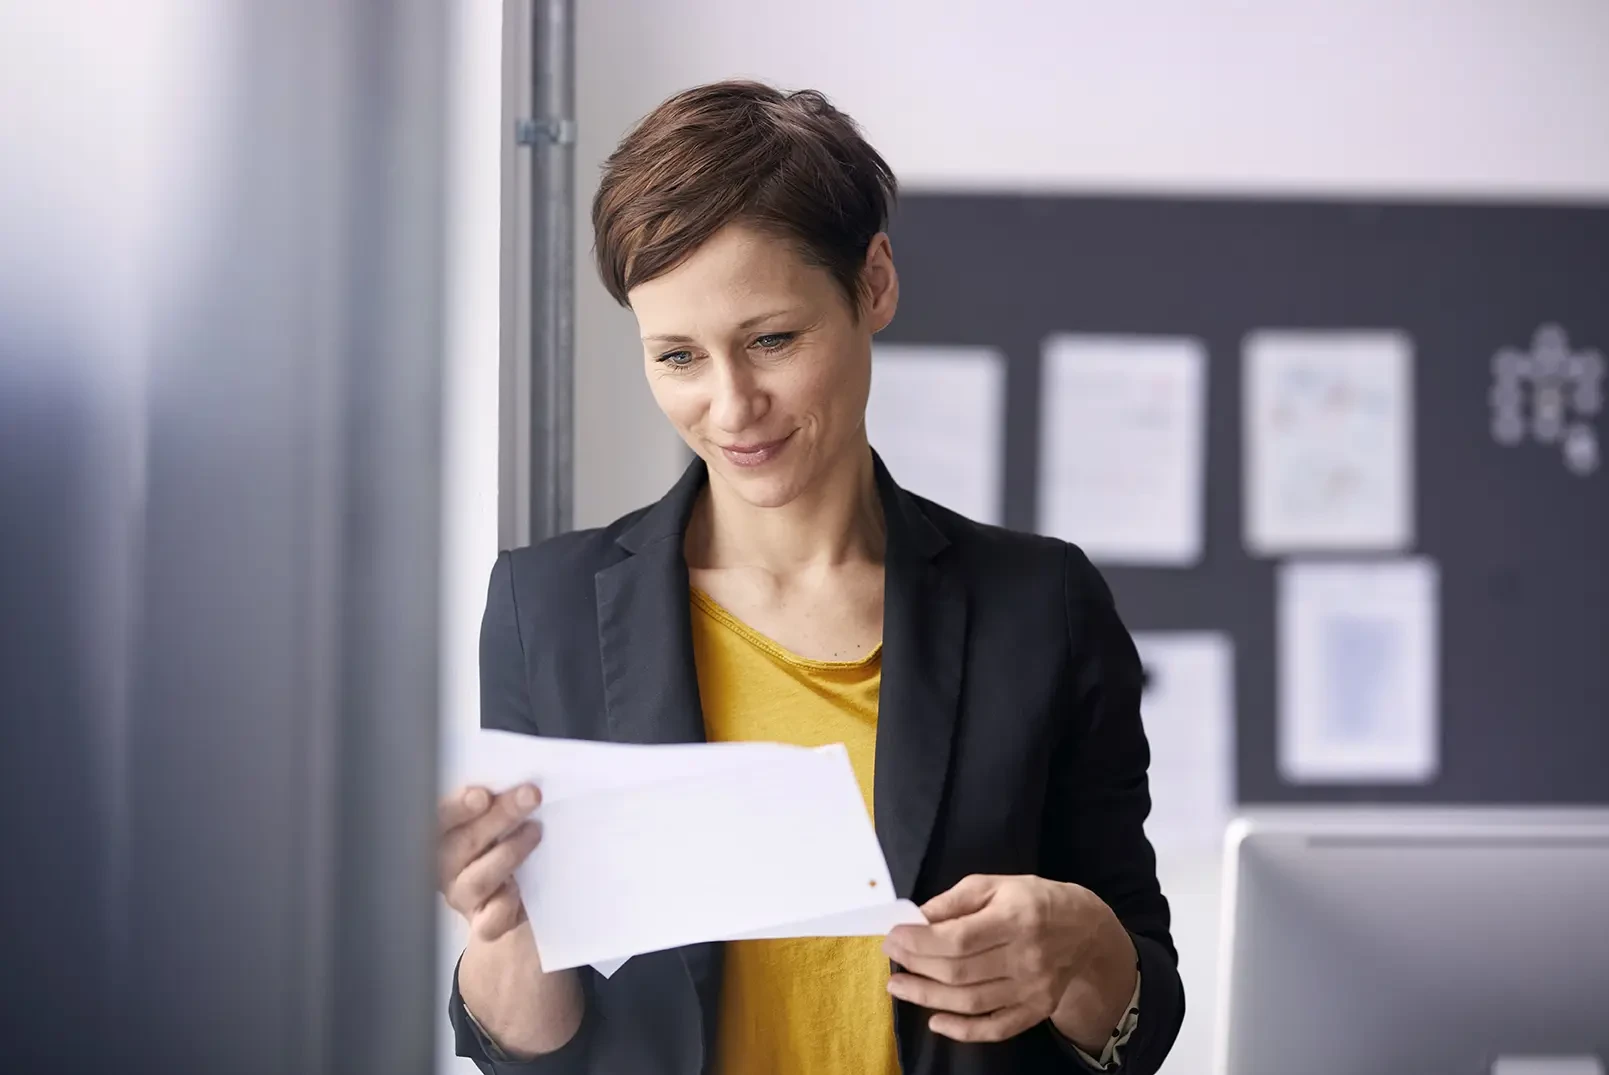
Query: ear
point(879, 284)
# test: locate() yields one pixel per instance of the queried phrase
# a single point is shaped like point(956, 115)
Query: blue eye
point(678, 359)
point(773, 341)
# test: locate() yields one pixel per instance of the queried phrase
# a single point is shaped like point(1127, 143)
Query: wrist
point(1095, 1001)
point(525, 1011)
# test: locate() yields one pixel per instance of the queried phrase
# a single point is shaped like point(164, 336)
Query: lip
point(756, 454)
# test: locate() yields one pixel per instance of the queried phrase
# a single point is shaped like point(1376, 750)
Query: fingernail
point(476, 799)
point(526, 797)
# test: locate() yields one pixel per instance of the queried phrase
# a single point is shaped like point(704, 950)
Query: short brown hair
point(740, 152)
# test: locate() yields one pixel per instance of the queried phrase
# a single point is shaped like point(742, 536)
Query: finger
point(462, 806)
point(469, 841)
point(955, 939)
point(996, 1026)
point(501, 913)
point(476, 883)
point(979, 999)
point(974, 934)
point(986, 966)
point(480, 880)
point(969, 895)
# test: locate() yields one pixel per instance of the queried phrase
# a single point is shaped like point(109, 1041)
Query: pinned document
point(936, 415)
point(1358, 672)
point(1328, 449)
point(652, 847)
point(1121, 468)
point(1189, 710)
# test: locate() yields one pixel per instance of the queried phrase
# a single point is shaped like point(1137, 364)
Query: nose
point(739, 400)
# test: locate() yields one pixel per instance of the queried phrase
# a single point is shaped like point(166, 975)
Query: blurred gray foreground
point(220, 306)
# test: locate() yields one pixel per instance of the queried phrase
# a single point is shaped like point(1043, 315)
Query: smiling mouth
point(754, 455)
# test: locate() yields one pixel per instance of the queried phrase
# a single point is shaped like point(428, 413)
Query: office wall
point(1412, 97)
point(1407, 97)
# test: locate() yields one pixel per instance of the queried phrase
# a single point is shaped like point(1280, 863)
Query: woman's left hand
point(1001, 954)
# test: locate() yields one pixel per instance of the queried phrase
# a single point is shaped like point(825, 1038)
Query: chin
point(762, 487)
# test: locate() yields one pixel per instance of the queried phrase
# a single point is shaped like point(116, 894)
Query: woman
point(787, 589)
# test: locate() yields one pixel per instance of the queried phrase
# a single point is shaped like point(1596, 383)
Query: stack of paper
point(652, 847)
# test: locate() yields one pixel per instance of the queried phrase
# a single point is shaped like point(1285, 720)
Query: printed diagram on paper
point(1328, 441)
point(1358, 671)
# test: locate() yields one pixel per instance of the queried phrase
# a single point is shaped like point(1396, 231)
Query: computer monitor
point(1435, 946)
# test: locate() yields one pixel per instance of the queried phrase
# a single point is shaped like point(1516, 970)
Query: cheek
point(838, 390)
point(678, 401)
point(811, 393)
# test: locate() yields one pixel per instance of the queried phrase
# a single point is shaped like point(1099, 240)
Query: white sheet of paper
point(936, 415)
point(873, 921)
point(1358, 671)
point(566, 768)
point(1189, 713)
point(1121, 467)
point(1328, 449)
point(653, 847)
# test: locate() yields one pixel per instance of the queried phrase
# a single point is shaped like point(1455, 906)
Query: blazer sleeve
point(505, 703)
point(1098, 800)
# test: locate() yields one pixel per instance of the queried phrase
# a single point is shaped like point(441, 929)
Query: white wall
point(469, 398)
point(1393, 97)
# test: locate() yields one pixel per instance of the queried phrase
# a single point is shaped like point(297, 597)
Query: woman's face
point(759, 361)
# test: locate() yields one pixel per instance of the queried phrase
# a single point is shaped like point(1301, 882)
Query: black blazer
point(1008, 741)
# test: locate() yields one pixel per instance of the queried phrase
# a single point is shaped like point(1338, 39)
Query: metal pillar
point(547, 136)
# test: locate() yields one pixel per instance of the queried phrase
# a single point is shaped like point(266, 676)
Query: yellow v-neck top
point(811, 1005)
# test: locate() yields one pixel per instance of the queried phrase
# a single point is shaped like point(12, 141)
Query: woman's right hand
point(484, 838)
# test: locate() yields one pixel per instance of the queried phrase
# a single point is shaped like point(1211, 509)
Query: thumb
point(969, 895)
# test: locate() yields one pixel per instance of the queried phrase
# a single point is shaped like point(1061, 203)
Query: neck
point(838, 520)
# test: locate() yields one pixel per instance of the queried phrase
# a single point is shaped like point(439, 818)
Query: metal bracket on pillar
point(558, 132)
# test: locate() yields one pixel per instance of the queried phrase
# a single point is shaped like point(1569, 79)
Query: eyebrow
point(747, 324)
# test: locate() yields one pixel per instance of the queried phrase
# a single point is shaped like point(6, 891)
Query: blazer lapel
point(645, 633)
point(650, 682)
point(924, 638)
